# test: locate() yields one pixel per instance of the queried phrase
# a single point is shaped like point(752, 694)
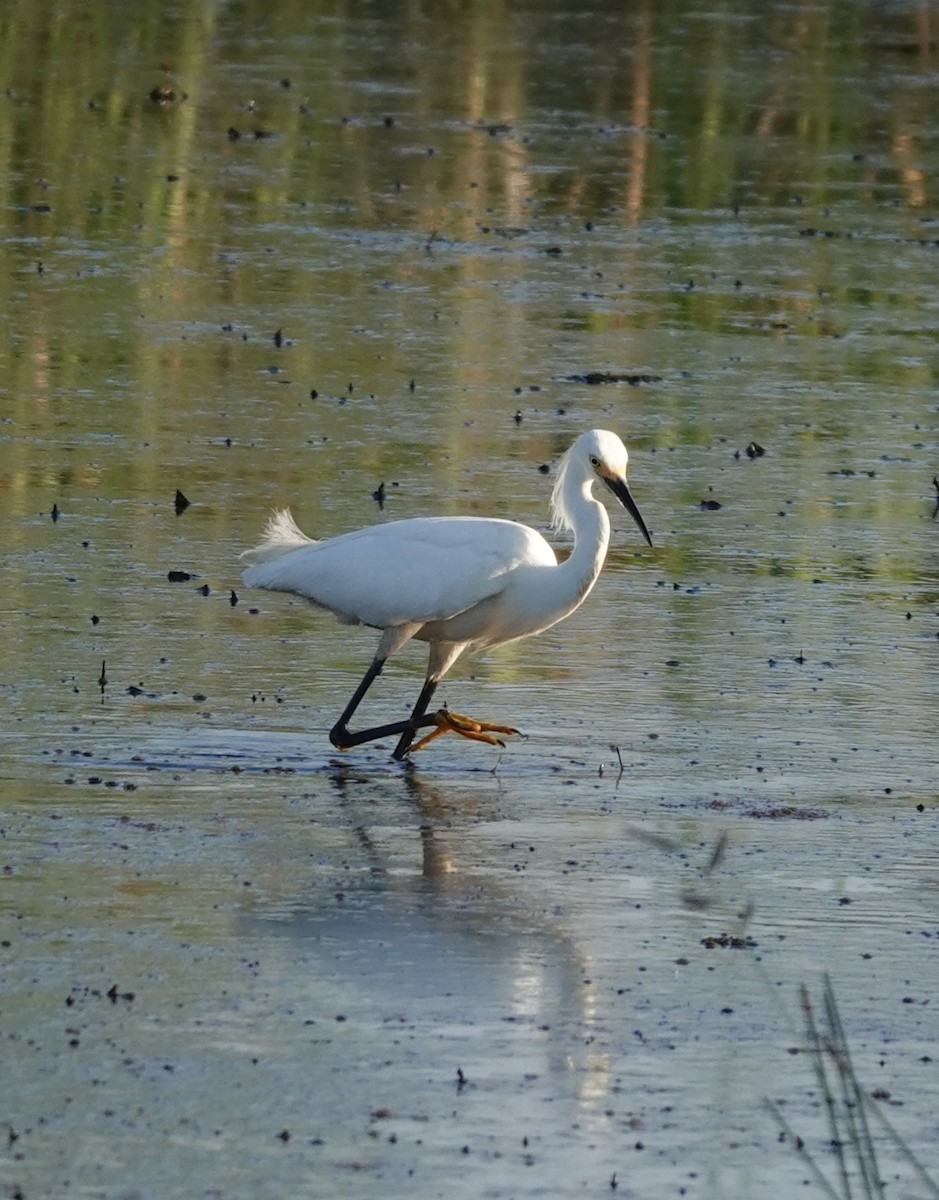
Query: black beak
point(621, 491)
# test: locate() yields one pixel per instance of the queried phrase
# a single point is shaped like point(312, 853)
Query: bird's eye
point(594, 461)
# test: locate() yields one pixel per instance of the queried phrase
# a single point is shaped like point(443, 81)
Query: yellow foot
point(477, 731)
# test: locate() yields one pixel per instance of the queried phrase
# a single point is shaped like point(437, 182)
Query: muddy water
point(336, 251)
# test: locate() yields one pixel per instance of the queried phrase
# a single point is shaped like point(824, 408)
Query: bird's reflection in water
point(418, 919)
point(437, 860)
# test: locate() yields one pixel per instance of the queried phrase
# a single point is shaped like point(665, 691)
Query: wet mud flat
point(380, 266)
point(342, 977)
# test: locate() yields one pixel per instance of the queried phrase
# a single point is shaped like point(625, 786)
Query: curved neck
point(591, 526)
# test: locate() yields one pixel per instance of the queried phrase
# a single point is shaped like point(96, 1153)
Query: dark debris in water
point(504, 231)
point(595, 378)
point(235, 135)
point(165, 94)
point(494, 128)
point(728, 941)
point(99, 780)
point(78, 993)
point(811, 232)
point(787, 812)
point(779, 812)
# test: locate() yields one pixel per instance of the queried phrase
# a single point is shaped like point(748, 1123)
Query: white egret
point(458, 583)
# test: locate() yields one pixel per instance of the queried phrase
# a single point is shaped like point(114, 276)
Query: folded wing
point(403, 572)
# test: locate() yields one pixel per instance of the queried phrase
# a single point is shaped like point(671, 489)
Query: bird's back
point(403, 572)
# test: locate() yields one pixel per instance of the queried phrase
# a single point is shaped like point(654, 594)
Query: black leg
point(407, 737)
point(339, 735)
point(343, 738)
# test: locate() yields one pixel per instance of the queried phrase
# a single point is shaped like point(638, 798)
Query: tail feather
point(281, 535)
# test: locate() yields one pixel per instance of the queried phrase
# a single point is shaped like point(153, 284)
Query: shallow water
point(452, 220)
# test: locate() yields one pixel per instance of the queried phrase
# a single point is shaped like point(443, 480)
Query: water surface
point(282, 255)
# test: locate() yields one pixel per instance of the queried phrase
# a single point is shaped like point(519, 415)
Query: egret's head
point(597, 454)
point(605, 453)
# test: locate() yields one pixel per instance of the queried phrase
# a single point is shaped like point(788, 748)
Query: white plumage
point(456, 582)
point(424, 569)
